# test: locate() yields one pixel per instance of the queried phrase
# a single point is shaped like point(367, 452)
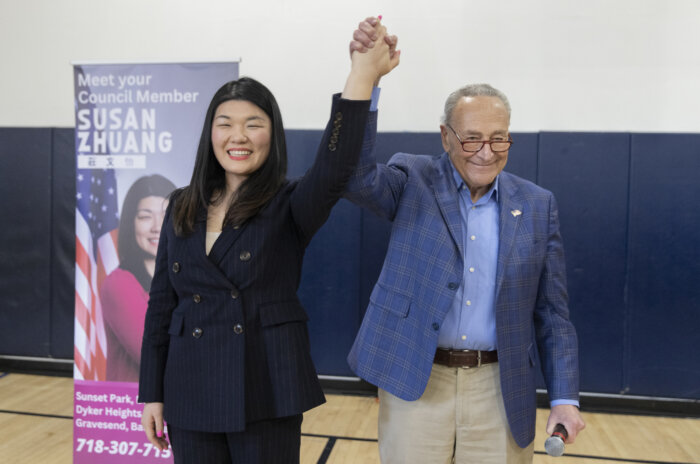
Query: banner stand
point(137, 127)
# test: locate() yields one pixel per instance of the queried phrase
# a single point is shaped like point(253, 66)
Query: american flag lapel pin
point(516, 212)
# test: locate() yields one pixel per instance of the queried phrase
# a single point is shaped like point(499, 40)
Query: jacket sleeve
point(162, 301)
point(323, 185)
point(377, 187)
point(556, 337)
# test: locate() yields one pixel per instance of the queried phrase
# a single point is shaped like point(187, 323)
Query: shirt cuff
point(374, 103)
point(558, 402)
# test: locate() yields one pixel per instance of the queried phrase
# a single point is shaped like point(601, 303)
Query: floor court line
point(332, 439)
point(354, 414)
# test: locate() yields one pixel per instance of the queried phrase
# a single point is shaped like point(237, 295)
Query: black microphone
point(554, 445)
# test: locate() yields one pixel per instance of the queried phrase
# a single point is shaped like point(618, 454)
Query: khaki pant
point(459, 419)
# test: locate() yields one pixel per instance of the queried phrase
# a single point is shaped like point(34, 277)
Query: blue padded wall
point(522, 157)
point(588, 174)
point(628, 218)
point(664, 266)
point(25, 238)
point(330, 279)
point(62, 243)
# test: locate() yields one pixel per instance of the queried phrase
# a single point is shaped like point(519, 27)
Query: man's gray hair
point(472, 90)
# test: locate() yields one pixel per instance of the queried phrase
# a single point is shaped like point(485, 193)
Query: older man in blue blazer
point(473, 284)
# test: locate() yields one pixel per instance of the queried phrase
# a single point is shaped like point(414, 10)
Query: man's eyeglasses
point(472, 146)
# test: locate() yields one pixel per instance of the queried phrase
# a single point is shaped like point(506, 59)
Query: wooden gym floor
point(36, 427)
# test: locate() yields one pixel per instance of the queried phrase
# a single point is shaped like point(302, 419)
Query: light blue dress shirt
point(471, 322)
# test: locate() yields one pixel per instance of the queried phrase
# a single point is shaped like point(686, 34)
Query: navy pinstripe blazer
point(395, 346)
point(225, 339)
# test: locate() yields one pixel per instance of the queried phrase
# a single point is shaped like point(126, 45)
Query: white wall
point(595, 65)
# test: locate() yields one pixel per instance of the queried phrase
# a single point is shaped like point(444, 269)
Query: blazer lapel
point(510, 216)
point(213, 260)
point(222, 244)
point(447, 198)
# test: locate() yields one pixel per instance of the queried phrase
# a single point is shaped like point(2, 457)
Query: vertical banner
point(137, 127)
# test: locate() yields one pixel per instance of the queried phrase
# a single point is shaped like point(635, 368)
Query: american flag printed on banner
point(96, 224)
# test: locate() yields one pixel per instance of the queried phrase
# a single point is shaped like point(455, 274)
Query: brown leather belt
point(464, 358)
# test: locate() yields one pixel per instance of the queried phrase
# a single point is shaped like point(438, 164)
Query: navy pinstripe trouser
point(265, 442)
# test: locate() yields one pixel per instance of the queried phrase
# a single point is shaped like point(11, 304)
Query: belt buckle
point(478, 359)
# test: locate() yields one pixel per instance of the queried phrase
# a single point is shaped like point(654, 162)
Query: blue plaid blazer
point(396, 343)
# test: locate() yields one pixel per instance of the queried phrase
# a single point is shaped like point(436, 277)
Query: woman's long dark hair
point(131, 255)
point(208, 182)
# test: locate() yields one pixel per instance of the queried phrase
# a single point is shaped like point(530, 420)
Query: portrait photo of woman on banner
point(124, 292)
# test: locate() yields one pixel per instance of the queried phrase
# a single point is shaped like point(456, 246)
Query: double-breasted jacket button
point(197, 332)
point(336, 129)
point(453, 285)
point(335, 133)
point(245, 255)
point(234, 294)
point(176, 267)
point(436, 326)
point(196, 298)
point(238, 329)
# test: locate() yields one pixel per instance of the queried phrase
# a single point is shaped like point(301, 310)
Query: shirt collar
point(462, 186)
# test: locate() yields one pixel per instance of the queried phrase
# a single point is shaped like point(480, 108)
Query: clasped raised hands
point(373, 54)
point(371, 42)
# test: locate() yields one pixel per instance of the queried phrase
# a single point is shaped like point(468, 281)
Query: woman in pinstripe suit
point(225, 357)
